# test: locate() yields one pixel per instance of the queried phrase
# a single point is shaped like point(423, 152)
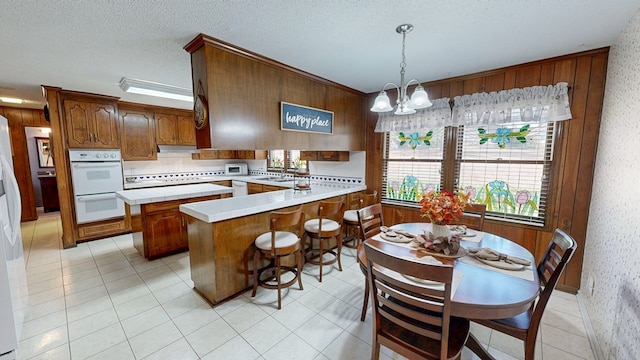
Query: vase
point(439, 231)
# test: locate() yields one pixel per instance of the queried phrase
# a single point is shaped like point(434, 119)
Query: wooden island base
point(221, 252)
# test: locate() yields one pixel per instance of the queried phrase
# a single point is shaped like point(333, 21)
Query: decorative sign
point(302, 118)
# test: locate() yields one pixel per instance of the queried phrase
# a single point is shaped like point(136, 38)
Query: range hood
point(189, 149)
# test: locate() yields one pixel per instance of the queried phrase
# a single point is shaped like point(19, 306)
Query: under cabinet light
point(151, 88)
point(11, 100)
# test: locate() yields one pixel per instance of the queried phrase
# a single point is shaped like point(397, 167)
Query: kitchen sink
point(275, 179)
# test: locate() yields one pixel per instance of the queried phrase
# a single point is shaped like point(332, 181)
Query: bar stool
point(276, 244)
point(327, 226)
point(350, 221)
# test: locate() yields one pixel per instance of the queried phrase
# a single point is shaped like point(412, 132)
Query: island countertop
point(168, 193)
point(229, 208)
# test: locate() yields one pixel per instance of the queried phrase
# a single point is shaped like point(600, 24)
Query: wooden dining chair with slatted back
point(283, 240)
point(410, 318)
point(350, 224)
point(473, 216)
point(369, 220)
point(327, 226)
point(525, 326)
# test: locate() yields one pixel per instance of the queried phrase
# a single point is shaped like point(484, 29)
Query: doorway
point(41, 165)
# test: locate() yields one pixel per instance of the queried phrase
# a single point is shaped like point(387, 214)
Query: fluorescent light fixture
point(151, 88)
point(11, 100)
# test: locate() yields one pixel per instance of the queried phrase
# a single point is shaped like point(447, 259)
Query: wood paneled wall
point(572, 173)
point(244, 91)
point(18, 119)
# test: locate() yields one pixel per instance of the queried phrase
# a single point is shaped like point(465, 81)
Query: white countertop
point(168, 193)
point(229, 208)
point(258, 179)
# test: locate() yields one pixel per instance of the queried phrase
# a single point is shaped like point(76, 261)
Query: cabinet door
point(227, 154)
point(104, 126)
point(166, 232)
point(166, 127)
point(77, 118)
point(254, 188)
point(186, 130)
point(267, 188)
point(136, 126)
point(308, 155)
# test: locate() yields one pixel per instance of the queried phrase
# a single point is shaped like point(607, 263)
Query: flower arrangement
point(443, 207)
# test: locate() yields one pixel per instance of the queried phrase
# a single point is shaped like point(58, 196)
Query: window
point(277, 159)
point(504, 166)
point(413, 163)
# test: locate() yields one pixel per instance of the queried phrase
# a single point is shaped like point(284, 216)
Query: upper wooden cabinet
point(251, 154)
point(136, 124)
point(175, 129)
point(324, 155)
point(244, 92)
point(91, 124)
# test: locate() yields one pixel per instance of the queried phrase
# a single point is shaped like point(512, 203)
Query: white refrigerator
point(13, 282)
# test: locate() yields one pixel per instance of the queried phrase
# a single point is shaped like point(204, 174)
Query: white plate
point(397, 239)
point(501, 264)
point(421, 281)
point(470, 233)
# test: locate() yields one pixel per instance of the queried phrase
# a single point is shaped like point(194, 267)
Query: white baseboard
point(595, 347)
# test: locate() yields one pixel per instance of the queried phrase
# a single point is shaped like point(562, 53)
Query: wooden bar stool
point(350, 222)
point(327, 226)
point(276, 244)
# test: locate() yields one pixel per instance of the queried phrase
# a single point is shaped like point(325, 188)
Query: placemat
point(455, 281)
point(525, 274)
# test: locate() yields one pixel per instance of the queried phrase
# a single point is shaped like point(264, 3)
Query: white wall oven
point(96, 176)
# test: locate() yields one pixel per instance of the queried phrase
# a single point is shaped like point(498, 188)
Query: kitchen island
point(221, 233)
point(161, 228)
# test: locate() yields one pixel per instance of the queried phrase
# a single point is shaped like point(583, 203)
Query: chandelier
point(405, 105)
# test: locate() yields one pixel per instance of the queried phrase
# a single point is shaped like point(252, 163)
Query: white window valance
point(539, 104)
point(436, 115)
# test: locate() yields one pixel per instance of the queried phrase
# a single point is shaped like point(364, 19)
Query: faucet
point(282, 173)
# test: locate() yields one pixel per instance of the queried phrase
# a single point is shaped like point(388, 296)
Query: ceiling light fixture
point(11, 100)
point(151, 88)
point(405, 106)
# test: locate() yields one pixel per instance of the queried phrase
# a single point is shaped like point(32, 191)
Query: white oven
point(96, 176)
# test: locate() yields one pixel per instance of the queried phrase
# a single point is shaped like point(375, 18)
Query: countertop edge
point(212, 217)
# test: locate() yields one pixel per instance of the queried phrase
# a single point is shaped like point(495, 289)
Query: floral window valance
point(536, 104)
point(436, 115)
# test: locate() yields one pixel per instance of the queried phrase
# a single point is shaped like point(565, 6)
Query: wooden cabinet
point(136, 124)
point(175, 129)
point(251, 154)
point(91, 124)
point(253, 188)
point(212, 154)
point(49, 189)
point(324, 155)
point(164, 227)
point(165, 232)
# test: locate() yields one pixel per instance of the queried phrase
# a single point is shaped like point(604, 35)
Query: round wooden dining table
point(482, 293)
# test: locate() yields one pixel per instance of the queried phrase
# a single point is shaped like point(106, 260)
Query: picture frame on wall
point(45, 157)
point(306, 119)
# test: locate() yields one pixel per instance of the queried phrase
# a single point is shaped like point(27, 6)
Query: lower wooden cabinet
point(164, 228)
point(49, 190)
point(103, 228)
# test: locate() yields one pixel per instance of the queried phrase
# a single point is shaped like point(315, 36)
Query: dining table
point(480, 291)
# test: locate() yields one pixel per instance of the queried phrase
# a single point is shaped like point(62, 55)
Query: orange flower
point(443, 207)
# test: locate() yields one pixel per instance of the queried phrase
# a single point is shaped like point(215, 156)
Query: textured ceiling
point(89, 45)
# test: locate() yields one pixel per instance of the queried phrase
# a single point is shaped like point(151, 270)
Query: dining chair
point(327, 226)
point(369, 222)
point(525, 326)
point(283, 239)
point(410, 318)
point(350, 224)
point(473, 216)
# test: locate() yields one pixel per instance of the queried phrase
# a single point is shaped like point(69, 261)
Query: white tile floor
point(101, 300)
